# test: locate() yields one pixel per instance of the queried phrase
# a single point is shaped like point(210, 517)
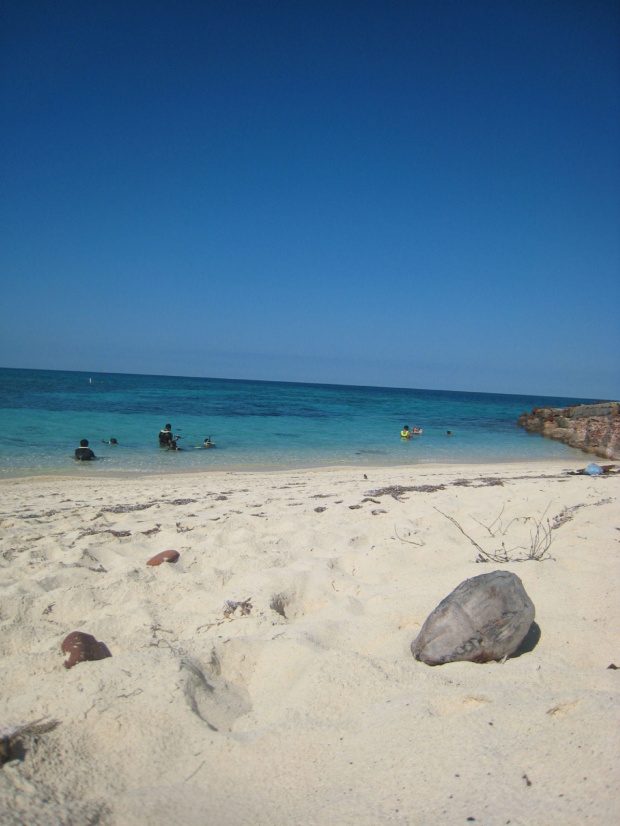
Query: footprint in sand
point(457, 705)
point(293, 603)
point(217, 702)
point(563, 709)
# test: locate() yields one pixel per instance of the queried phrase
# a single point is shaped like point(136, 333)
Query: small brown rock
point(164, 556)
point(83, 647)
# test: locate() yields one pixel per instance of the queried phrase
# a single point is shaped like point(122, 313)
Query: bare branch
point(410, 541)
point(473, 541)
point(540, 539)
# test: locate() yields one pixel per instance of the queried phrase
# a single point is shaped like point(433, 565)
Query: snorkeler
point(206, 444)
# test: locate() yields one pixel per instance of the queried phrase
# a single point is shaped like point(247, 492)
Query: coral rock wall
point(594, 428)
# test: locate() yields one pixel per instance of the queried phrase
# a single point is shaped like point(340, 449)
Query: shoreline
point(209, 711)
point(85, 472)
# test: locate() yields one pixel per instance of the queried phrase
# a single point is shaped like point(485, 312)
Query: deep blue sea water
point(255, 424)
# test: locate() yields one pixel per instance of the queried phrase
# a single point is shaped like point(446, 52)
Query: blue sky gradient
point(398, 193)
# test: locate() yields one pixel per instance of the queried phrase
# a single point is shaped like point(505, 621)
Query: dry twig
point(410, 541)
point(539, 544)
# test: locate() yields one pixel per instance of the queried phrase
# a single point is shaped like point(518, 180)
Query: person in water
point(405, 432)
point(166, 439)
point(83, 452)
point(206, 444)
point(111, 442)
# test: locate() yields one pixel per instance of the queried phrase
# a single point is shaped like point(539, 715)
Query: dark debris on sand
point(397, 491)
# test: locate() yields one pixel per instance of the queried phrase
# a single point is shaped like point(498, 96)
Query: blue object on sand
point(593, 469)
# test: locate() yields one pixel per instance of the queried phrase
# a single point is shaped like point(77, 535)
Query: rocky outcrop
point(594, 428)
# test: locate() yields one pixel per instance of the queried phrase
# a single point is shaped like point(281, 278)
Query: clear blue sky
point(400, 193)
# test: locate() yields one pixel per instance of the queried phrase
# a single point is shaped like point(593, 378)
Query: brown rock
point(484, 618)
point(164, 556)
point(83, 647)
point(594, 428)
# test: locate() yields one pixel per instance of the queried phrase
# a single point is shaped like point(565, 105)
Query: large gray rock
point(484, 618)
point(586, 411)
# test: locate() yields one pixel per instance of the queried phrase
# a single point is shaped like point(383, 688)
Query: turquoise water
point(254, 424)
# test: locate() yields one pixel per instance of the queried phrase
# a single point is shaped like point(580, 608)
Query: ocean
point(255, 425)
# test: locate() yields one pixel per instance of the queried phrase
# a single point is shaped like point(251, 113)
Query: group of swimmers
point(167, 439)
point(407, 433)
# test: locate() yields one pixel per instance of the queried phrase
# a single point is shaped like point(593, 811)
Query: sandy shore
point(309, 709)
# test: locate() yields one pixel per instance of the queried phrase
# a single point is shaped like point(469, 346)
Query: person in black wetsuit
point(166, 439)
point(83, 452)
point(165, 436)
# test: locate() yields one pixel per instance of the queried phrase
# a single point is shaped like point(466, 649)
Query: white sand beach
point(305, 706)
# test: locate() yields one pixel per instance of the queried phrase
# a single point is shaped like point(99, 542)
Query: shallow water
point(266, 425)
